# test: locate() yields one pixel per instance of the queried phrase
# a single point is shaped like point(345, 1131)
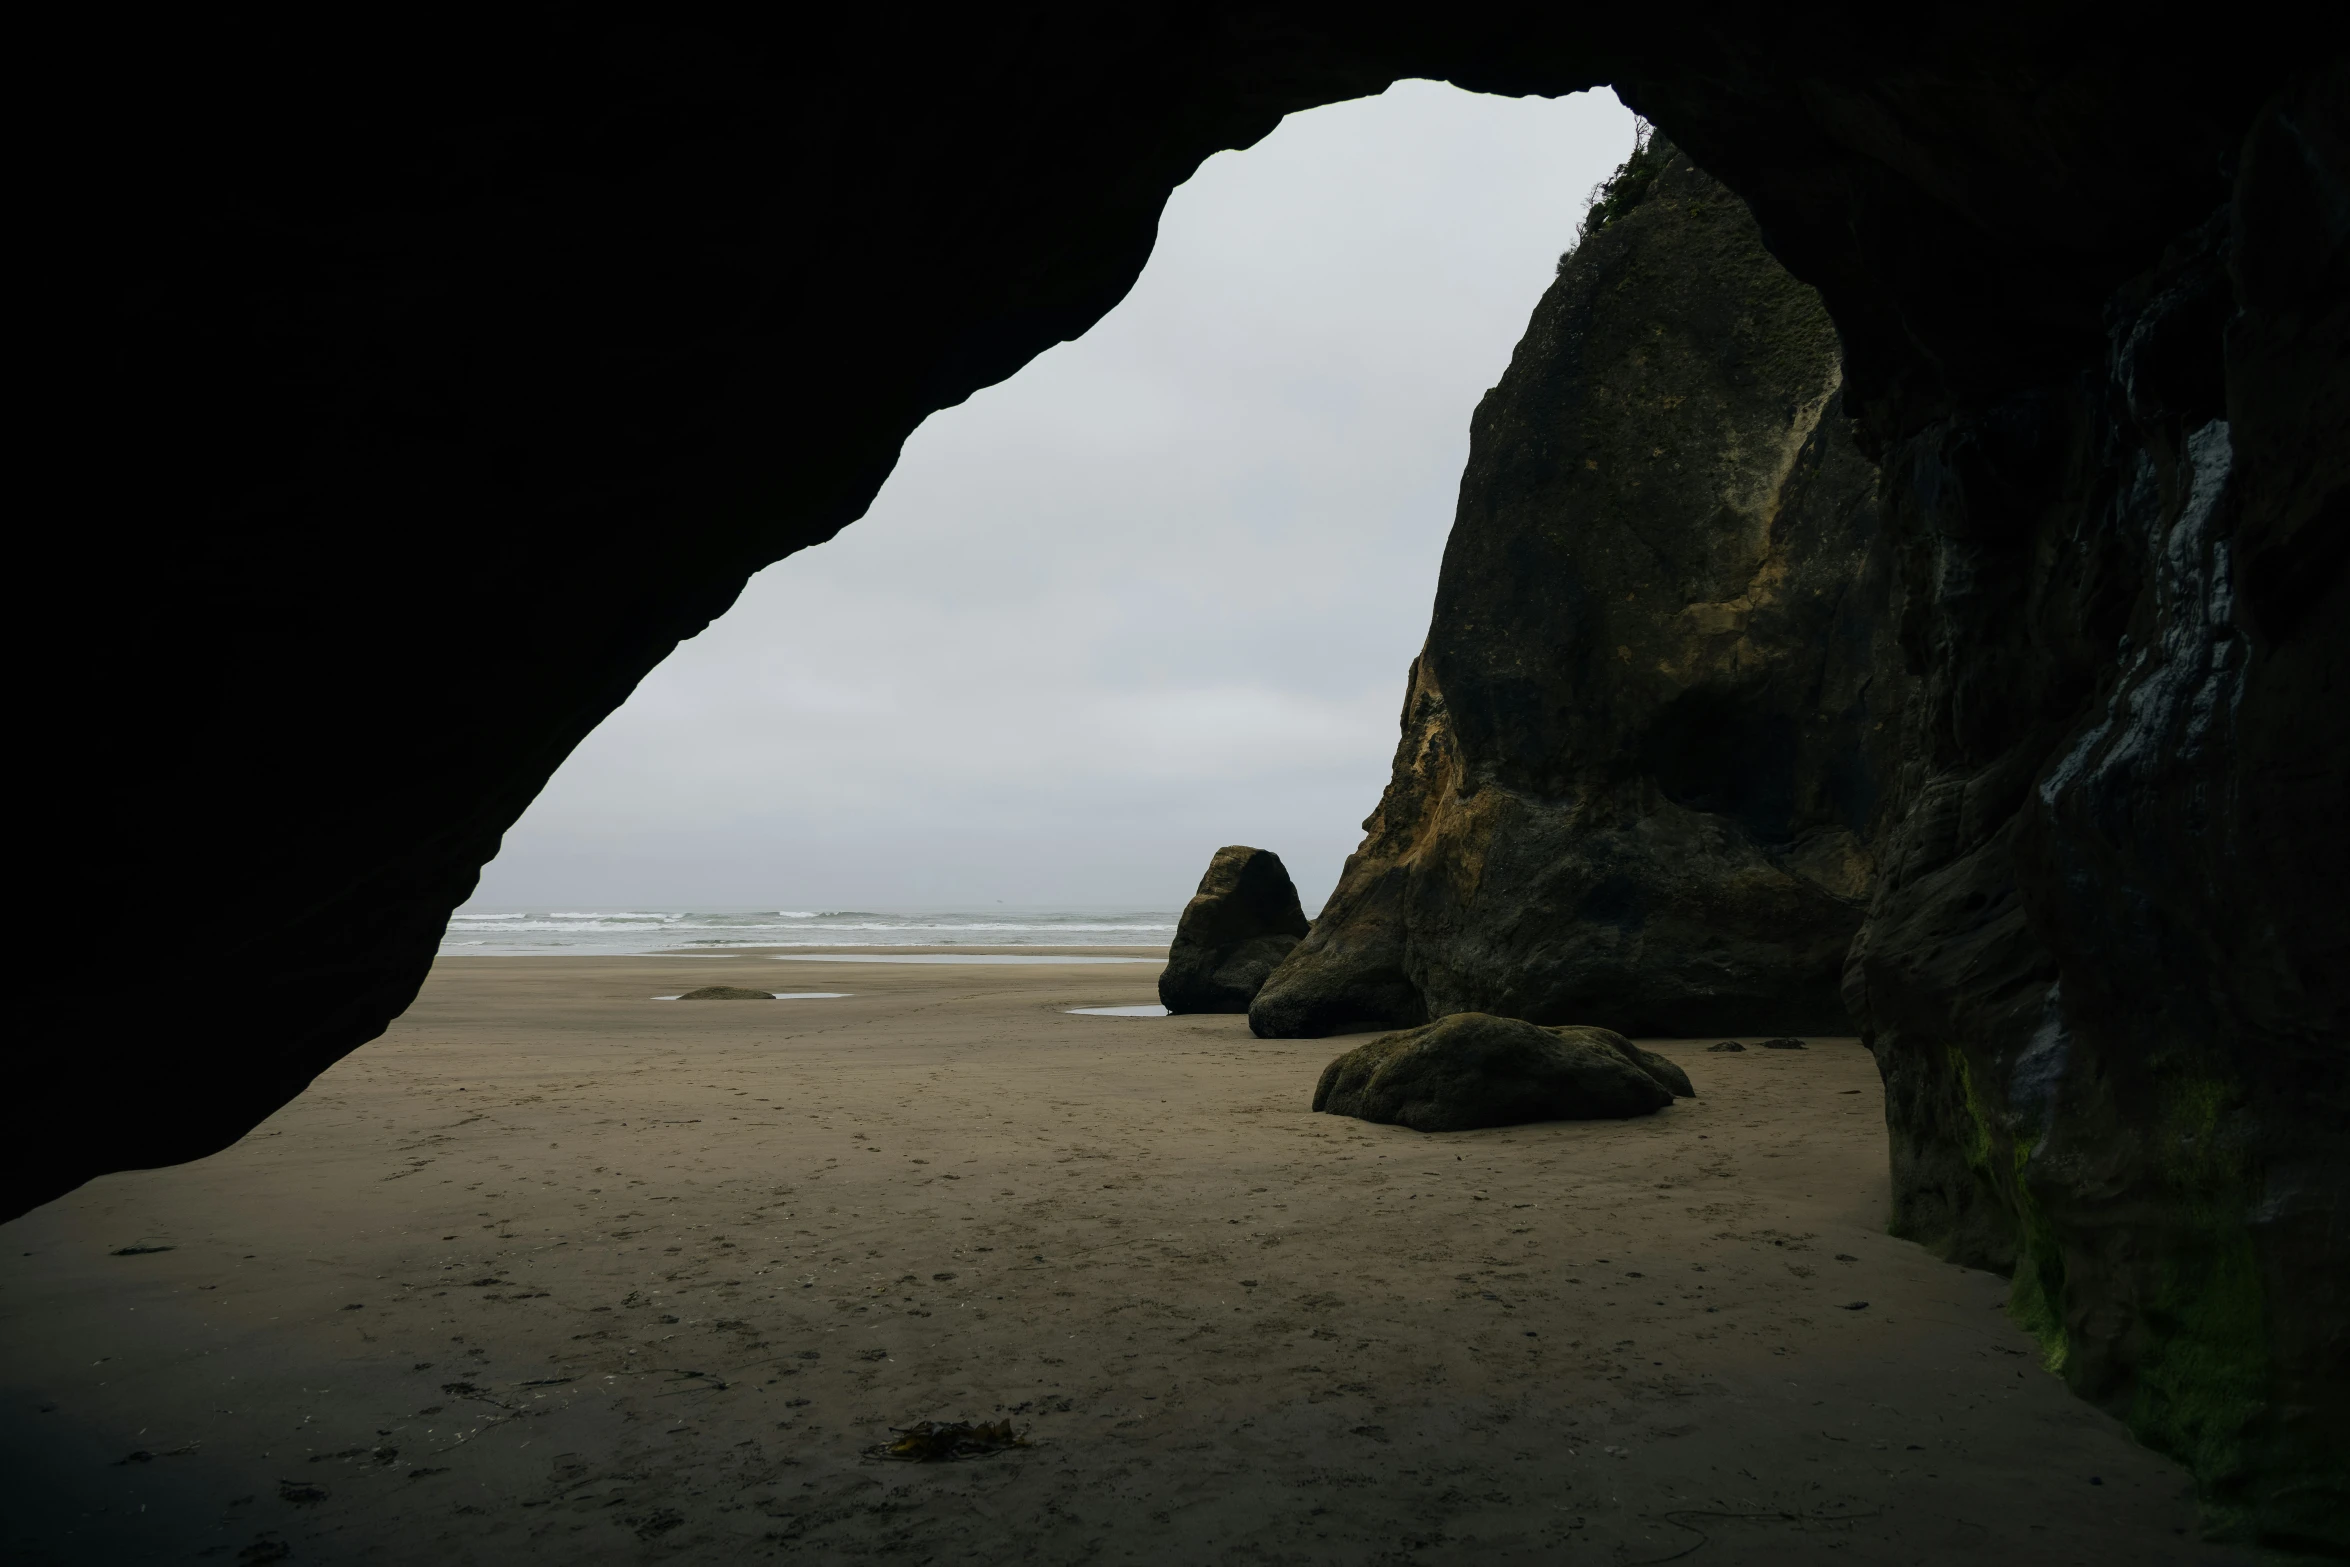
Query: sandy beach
point(555, 1271)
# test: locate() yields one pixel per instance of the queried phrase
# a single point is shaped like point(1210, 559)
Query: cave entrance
point(1155, 593)
point(1164, 578)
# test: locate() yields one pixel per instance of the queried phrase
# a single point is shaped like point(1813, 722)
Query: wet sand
point(557, 1272)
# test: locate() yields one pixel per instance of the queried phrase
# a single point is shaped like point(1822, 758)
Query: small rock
point(1725, 1045)
point(1782, 1044)
point(1858, 1305)
point(727, 993)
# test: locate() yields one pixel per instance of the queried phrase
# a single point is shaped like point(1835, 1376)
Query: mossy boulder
point(1473, 1070)
point(1664, 1071)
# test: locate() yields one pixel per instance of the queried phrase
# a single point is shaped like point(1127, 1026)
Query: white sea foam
point(586, 932)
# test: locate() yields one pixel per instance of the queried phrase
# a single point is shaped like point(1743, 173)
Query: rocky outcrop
point(1654, 726)
point(360, 344)
point(1471, 1070)
point(1236, 929)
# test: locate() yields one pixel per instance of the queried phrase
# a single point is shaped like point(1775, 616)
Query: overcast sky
point(1154, 594)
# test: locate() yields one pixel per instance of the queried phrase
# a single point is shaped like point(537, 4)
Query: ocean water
point(639, 929)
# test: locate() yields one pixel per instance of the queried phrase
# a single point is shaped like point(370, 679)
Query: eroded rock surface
point(1236, 929)
point(1652, 732)
point(1472, 1070)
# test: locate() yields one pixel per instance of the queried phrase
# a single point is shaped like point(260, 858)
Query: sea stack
point(1647, 745)
point(1242, 922)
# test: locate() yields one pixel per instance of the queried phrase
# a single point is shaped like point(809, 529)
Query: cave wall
point(363, 335)
point(2104, 972)
point(1648, 746)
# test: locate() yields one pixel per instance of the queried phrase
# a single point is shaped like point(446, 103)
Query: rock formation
point(727, 993)
point(535, 336)
point(1471, 1070)
point(1658, 712)
point(1236, 929)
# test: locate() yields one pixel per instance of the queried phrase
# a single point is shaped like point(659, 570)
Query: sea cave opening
point(633, 1278)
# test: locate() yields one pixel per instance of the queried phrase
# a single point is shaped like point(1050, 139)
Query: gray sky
point(1154, 594)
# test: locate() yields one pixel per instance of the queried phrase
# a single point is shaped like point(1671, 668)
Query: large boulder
point(1646, 749)
point(1242, 922)
point(1472, 1070)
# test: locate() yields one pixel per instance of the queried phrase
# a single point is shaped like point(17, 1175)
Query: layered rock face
point(1653, 730)
point(1236, 929)
point(366, 337)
